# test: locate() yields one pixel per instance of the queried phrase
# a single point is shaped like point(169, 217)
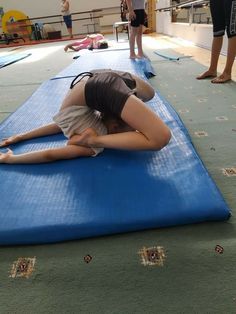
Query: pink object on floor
point(87, 41)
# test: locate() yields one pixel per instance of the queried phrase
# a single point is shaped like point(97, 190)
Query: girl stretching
point(125, 122)
point(89, 42)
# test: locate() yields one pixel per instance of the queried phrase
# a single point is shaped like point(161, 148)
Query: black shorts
point(140, 18)
point(107, 91)
point(223, 14)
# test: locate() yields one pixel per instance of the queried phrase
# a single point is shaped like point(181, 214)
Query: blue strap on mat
point(118, 191)
point(9, 59)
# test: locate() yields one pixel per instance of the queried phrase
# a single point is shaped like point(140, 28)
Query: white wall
point(33, 8)
point(199, 34)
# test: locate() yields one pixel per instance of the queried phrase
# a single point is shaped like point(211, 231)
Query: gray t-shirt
point(138, 4)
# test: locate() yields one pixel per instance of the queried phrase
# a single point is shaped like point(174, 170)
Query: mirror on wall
point(197, 11)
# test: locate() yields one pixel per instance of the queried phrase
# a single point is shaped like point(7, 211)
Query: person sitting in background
point(92, 41)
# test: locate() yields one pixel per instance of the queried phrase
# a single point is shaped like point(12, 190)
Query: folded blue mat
point(12, 58)
point(115, 192)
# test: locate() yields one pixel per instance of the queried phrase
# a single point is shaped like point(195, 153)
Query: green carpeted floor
point(209, 113)
point(194, 277)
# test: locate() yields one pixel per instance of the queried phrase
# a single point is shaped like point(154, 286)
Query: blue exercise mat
point(115, 192)
point(9, 59)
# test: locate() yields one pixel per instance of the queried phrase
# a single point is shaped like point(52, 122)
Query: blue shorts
point(68, 21)
point(223, 14)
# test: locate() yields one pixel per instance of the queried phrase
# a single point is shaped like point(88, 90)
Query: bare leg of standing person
point(139, 35)
point(226, 75)
point(136, 36)
point(215, 53)
point(70, 32)
point(132, 37)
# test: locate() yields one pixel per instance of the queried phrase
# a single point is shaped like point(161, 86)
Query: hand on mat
point(83, 139)
point(10, 140)
point(4, 157)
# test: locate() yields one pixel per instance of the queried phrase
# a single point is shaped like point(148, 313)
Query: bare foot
point(4, 157)
point(140, 56)
point(133, 56)
point(207, 74)
point(223, 78)
point(66, 48)
point(83, 139)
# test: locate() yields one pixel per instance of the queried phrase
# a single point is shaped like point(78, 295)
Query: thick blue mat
point(12, 58)
point(115, 192)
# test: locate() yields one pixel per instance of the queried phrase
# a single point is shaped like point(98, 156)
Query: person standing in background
point(137, 17)
point(223, 14)
point(65, 10)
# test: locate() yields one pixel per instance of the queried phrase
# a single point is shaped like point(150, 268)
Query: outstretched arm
point(48, 155)
point(45, 130)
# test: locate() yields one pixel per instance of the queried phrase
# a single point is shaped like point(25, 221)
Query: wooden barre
point(59, 15)
point(57, 22)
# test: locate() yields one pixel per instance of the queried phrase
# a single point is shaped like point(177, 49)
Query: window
point(197, 11)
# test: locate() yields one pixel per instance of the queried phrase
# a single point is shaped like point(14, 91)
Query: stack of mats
point(118, 191)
